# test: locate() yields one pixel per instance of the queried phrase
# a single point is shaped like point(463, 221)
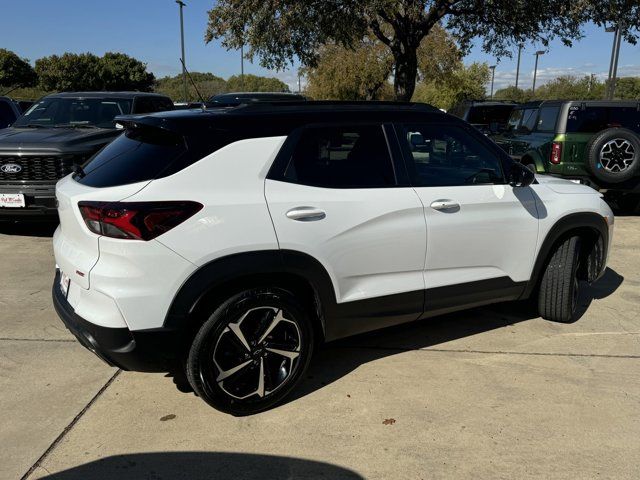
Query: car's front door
point(481, 232)
point(338, 201)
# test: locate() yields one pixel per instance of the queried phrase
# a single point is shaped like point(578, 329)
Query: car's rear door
point(338, 201)
point(481, 232)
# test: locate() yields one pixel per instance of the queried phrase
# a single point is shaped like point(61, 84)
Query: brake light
point(556, 153)
point(135, 220)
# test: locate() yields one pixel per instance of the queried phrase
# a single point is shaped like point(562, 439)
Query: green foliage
point(28, 93)
point(278, 32)
point(208, 84)
point(465, 83)
point(512, 93)
point(255, 83)
point(361, 73)
point(122, 72)
point(628, 88)
point(85, 71)
point(15, 71)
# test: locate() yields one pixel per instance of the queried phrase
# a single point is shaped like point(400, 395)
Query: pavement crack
point(69, 427)
point(9, 339)
point(492, 352)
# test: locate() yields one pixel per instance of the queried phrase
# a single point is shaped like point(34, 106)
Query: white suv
point(229, 242)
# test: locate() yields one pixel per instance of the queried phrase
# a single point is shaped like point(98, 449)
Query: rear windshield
point(147, 153)
point(135, 156)
point(594, 119)
point(489, 114)
point(74, 112)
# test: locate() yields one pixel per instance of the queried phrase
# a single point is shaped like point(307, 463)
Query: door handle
point(445, 205)
point(306, 214)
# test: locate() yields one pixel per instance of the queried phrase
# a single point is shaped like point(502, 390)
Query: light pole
point(535, 70)
point(493, 74)
point(518, 65)
point(613, 64)
point(242, 66)
point(184, 68)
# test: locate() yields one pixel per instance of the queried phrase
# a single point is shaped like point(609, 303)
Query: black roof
point(281, 117)
point(103, 95)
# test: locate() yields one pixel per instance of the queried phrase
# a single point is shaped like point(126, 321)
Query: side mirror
point(520, 176)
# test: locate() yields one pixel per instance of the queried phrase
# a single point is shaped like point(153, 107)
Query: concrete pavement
point(487, 393)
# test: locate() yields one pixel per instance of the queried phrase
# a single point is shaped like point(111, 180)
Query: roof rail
point(313, 104)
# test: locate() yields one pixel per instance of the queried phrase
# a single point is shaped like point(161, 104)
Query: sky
point(150, 31)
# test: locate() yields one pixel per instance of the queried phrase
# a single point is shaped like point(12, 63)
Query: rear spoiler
point(133, 122)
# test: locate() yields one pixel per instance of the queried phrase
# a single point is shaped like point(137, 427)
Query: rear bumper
point(144, 350)
point(40, 201)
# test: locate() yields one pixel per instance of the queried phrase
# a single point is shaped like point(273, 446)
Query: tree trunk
point(406, 71)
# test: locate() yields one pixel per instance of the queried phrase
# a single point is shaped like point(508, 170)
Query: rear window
point(489, 114)
point(147, 153)
point(594, 119)
point(547, 119)
point(135, 156)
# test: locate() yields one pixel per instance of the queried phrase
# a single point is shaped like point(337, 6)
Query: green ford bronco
point(588, 141)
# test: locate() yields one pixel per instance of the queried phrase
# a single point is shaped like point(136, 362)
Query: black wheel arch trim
point(564, 225)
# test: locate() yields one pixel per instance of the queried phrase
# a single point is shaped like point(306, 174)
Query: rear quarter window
point(595, 119)
point(547, 119)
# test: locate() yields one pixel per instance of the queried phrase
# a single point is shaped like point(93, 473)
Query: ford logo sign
point(10, 168)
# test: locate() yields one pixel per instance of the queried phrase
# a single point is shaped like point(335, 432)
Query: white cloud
point(505, 78)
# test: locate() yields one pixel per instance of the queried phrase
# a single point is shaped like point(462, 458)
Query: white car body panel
point(371, 242)
point(493, 234)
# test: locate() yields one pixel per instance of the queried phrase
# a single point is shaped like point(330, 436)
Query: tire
point(613, 155)
point(263, 329)
point(558, 295)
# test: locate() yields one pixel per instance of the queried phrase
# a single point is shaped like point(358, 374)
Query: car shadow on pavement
point(337, 359)
point(29, 229)
point(202, 466)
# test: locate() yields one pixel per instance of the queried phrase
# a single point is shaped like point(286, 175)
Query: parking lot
point(491, 392)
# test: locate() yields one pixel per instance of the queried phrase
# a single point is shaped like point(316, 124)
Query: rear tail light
point(556, 153)
point(135, 220)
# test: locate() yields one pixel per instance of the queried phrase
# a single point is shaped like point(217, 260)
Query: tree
point(363, 72)
point(86, 71)
point(342, 73)
point(255, 83)
point(464, 83)
point(572, 88)
point(513, 94)
point(628, 88)
point(278, 32)
point(15, 71)
point(68, 72)
point(121, 72)
point(208, 85)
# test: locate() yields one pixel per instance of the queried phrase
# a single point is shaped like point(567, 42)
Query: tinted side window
point(162, 104)
point(514, 119)
point(547, 119)
point(143, 105)
point(7, 117)
point(529, 118)
point(449, 156)
point(594, 119)
point(341, 157)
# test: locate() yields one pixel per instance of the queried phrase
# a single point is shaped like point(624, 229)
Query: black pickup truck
point(54, 136)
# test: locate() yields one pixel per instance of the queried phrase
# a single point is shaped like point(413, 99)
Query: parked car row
point(593, 142)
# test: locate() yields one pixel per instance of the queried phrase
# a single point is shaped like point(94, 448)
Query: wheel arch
point(533, 157)
point(593, 230)
point(217, 280)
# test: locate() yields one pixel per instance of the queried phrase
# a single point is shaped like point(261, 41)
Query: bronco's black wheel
point(558, 296)
point(613, 155)
point(251, 352)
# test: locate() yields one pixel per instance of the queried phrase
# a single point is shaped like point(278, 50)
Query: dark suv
point(57, 134)
point(487, 116)
point(594, 142)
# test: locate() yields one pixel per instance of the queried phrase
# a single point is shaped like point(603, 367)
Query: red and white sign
point(12, 200)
